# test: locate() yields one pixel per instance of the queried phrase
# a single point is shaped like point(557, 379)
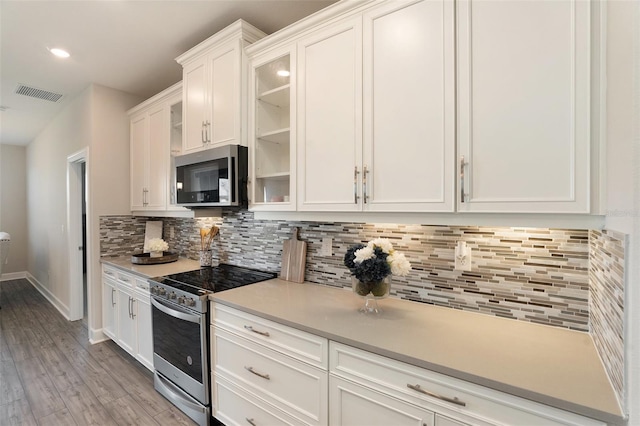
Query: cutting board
point(294, 257)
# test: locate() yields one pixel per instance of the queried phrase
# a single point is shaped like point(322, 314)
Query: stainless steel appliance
point(181, 333)
point(212, 178)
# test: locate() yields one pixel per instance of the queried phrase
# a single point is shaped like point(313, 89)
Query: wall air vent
point(38, 93)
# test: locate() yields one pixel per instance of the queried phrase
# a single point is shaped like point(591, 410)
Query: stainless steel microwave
point(214, 177)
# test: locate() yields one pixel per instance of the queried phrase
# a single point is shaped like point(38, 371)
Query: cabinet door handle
point(250, 421)
point(133, 314)
point(262, 333)
point(453, 400)
point(251, 370)
point(202, 134)
point(364, 184)
point(208, 131)
point(113, 302)
point(462, 164)
point(355, 184)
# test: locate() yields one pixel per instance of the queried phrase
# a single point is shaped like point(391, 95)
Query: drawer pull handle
point(251, 370)
point(250, 421)
point(262, 333)
point(453, 400)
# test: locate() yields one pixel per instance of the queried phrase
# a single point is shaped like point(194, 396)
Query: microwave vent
point(38, 93)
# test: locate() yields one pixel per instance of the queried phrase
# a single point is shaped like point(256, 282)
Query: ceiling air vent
point(38, 93)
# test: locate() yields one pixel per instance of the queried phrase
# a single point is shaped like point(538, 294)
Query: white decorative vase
point(155, 254)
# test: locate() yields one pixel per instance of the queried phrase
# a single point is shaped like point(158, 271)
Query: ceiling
point(122, 44)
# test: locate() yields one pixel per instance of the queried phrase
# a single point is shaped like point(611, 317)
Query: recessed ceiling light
point(283, 73)
point(60, 53)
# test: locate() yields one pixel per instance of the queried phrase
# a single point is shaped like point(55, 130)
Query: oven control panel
point(177, 297)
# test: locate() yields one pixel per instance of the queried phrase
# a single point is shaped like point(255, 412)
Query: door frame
point(74, 233)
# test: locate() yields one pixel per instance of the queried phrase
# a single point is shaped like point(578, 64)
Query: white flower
point(383, 243)
point(363, 254)
point(399, 264)
point(156, 244)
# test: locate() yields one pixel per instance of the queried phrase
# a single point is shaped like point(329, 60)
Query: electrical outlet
point(462, 257)
point(326, 249)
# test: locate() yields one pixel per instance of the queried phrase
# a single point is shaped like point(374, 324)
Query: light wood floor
point(51, 375)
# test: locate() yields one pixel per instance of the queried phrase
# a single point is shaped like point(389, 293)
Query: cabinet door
point(225, 101)
point(523, 105)
point(409, 106)
point(109, 308)
point(195, 106)
point(157, 155)
point(126, 325)
point(139, 131)
point(330, 118)
point(446, 421)
point(353, 404)
point(142, 316)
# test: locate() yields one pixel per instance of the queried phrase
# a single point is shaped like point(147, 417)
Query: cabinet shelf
point(276, 136)
point(278, 97)
point(274, 176)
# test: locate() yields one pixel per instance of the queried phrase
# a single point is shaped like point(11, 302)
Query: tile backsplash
point(606, 304)
point(530, 274)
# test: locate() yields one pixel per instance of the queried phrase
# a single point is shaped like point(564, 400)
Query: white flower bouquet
point(156, 245)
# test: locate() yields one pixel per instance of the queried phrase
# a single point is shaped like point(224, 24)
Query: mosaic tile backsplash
point(530, 274)
point(606, 304)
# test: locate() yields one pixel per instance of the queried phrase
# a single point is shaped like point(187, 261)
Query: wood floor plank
point(85, 407)
point(173, 417)
point(21, 344)
point(17, 413)
point(42, 395)
point(59, 418)
point(10, 386)
point(126, 411)
point(61, 372)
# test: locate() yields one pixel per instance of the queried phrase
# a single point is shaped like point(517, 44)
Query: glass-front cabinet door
point(272, 136)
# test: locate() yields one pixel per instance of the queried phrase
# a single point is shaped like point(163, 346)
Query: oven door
point(180, 348)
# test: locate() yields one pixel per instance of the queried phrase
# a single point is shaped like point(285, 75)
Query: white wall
point(13, 204)
point(96, 119)
point(623, 170)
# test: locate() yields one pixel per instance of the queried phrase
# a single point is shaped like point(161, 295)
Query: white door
point(330, 118)
point(142, 313)
point(225, 102)
point(354, 405)
point(195, 106)
point(409, 106)
point(126, 325)
point(139, 128)
point(157, 157)
point(109, 308)
point(523, 105)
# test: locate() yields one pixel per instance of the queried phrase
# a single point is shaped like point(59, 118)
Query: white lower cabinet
point(127, 313)
point(268, 365)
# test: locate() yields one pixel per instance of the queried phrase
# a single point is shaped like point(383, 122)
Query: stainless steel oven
point(180, 333)
point(180, 357)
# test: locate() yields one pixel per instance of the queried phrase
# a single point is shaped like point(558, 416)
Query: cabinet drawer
point(142, 285)
point(235, 406)
point(353, 404)
point(472, 403)
point(126, 279)
point(291, 385)
point(298, 344)
point(109, 272)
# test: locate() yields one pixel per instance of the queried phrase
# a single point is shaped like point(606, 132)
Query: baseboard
point(13, 276)
point(61, 307)
point(97, 336)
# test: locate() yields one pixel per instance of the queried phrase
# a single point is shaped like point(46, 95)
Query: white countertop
point(550, 365)
point(150, 271)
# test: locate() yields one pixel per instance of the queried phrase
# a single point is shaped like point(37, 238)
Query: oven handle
point(175, 396)
point(187, 316)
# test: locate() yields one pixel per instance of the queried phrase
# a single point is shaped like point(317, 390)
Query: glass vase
point(371, 292)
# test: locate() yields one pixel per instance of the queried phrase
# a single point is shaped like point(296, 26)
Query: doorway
point(79, 237)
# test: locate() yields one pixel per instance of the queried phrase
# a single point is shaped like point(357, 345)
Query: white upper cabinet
point(272, 142)
point(156, 136)
point(523, 106)
point(214, 89)
point(330, 118)
point(409, 107)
